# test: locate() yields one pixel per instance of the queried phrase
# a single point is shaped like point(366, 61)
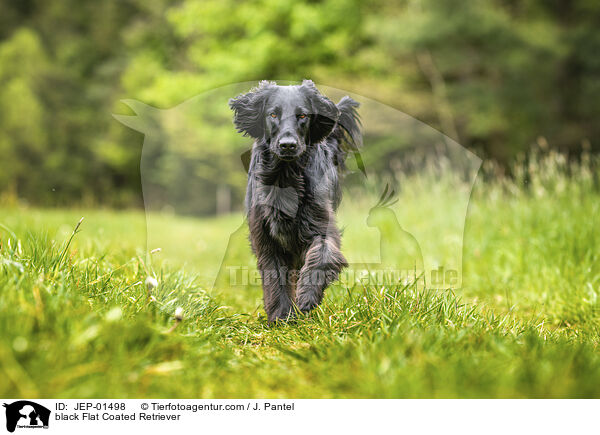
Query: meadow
point(78, 321)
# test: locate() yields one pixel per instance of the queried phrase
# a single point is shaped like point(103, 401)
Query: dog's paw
point(306, 302)
point(281, 316)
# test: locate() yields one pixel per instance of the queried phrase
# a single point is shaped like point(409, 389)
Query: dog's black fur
point(301, 141)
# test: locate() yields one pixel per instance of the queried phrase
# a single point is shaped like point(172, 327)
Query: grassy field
point(77, 320)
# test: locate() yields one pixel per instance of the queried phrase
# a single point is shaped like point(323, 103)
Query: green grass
point(77, 320)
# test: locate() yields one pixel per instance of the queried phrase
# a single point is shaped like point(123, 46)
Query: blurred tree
point(496, 75)
point(23, 137)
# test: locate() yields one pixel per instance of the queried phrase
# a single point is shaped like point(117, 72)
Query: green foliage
point(23, 137)
point(495, 75)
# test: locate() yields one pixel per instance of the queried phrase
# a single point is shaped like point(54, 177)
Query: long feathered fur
point(347, 132)
point(291, 204)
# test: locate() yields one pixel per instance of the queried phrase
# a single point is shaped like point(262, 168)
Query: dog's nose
point(287, 145)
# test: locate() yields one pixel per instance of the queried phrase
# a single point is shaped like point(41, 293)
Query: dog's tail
point(347, 132)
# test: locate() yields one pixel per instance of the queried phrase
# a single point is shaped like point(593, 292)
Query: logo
point(24, 414)
point(406, 195)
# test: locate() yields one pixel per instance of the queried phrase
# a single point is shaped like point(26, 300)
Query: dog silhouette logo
point(190, 166)
point(25, 414)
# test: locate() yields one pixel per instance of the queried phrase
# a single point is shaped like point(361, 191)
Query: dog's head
point(289, 118)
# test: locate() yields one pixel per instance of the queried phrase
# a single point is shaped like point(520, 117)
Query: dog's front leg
point(276, 294)
point(323, 262)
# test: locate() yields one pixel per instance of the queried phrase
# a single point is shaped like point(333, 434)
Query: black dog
point(301, 141)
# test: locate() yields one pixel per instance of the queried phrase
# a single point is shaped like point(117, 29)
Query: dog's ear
point(249, 110)
point(324, 113)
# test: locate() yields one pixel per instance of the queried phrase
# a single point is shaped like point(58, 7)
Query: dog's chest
point(284, 230)
point(281, 207)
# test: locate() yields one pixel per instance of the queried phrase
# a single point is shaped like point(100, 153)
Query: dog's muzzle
point(287, 149)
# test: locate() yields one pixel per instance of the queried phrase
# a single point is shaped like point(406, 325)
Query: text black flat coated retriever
point(301, 141)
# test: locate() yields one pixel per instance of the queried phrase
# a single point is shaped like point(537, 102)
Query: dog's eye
point(273, 115)
point(302, 116)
